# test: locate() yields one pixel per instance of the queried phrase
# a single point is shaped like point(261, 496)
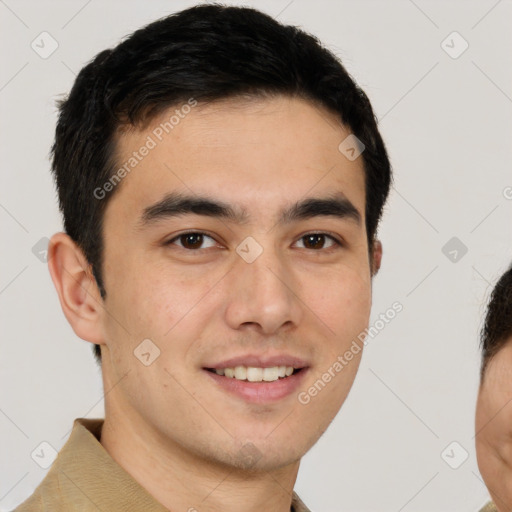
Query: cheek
point(342, 301)
point(170, 311)
point(155, 298)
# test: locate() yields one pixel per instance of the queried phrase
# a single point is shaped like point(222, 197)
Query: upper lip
point(260, 361)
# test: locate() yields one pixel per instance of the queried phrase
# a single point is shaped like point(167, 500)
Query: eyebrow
point(176, 204)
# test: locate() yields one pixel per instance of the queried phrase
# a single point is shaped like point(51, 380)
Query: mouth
point(258, 384)
point(255, 374)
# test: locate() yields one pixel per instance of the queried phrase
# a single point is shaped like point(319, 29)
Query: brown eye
point(191, 241)
point(317, 241)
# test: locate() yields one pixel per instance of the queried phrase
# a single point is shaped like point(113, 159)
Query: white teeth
point(270, 374)
point(240, 372)
point(253, 374)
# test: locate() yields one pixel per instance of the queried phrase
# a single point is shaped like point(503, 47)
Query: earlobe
point(78, 293)
point(376, 256)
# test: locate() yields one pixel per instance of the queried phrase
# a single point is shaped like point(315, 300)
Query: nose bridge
point(262, 288)
point(264, 271)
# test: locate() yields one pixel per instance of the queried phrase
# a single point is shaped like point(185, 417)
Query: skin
point(175, 432)
point(493, 428)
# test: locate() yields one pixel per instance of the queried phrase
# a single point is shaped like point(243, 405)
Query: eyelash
point(338, 243)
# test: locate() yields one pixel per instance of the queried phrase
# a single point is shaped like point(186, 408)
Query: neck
point(181, 480)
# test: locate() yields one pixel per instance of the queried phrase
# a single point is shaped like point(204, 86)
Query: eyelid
point(339, 242)
point(190, 232)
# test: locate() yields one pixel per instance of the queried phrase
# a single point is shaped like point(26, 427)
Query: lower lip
point(260, 392)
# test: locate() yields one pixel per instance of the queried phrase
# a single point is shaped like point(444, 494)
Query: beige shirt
point(489, 507)
point(84, 477)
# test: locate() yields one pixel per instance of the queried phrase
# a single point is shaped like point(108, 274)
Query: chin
point(250, 459)
point(266, 452)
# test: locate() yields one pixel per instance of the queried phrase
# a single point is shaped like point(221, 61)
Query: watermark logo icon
point(249, 455)
point(454, 45)
point(249, 249)
point(44, 455)
point(40, 249)
point(454, 455)
point(454, 249)
point(147, 352)
point(44, 45)
point(351, 147)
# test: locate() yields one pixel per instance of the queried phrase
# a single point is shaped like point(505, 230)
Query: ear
point(376, 256)
point(79, 295)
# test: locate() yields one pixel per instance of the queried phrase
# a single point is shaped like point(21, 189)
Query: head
point(224, 124)
point(494, 404)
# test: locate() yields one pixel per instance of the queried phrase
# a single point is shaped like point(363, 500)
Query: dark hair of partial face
point(208, 53)
point(497, 328)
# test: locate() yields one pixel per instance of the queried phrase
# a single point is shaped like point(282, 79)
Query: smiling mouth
point(253, 374)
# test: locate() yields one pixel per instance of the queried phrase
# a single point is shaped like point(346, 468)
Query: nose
point(263, 295)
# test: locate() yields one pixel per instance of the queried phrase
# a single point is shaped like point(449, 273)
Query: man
point(221, 179)
point(494, 403)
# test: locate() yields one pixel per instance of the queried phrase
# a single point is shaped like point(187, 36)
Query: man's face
point(494, 428)
point(204, 300)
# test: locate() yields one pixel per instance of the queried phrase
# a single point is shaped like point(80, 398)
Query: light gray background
point(447, 123)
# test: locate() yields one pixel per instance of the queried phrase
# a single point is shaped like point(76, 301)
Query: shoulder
point(489, 507)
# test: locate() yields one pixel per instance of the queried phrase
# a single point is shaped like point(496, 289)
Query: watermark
point(351, 147)
point(44, 45)
point(304, 397)
point(249, 455)
point(146, 352)
point(507, 192)
point(151, 142)
point(40, 249)
point(454, 249)
point(454, 455)
point(454, 45)
point(44, 454)
point(249, 249)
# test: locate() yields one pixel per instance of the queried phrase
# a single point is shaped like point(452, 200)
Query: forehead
point(254, 153)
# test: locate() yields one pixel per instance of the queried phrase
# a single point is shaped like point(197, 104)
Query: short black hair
point(497, 328)
point(207, 52)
